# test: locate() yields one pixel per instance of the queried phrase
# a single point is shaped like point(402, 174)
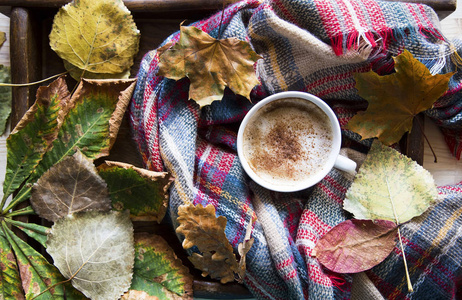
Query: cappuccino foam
point(288, 141)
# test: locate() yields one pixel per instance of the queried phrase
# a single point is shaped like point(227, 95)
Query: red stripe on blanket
point(329, 193)
point(385, 287)
point(330, 22)
point(317, 275)
point(285, 12)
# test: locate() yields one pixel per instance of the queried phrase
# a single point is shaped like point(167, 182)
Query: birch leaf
point(95, 36)
point(158, 272)
point(210, 65)
point(95, 251)
point(390, 183)
point(356, 245)
point(34, 133)
point(143, 192)
point(395, 99)
point(73, 185)
point(202, 229)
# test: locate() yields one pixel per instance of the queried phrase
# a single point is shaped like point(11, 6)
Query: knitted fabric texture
point(314, 46)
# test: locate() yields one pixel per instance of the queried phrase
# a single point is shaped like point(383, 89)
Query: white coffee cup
point(330, 158)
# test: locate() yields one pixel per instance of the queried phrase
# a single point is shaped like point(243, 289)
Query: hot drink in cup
point(289, 141)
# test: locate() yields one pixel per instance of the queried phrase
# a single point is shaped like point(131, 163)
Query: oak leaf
point(210, 64)
point(70, 186)
point(390, 186)
point(95, 36)
point(203, 229)
point(395, 99)
point(356, 245)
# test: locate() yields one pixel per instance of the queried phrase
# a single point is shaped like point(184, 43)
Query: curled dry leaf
point(94, 250)
point(158, 273)
point(395, 99)
point(72, 185)
point(210, 65)
point(203, 229)
point(243, 248)
point(143, 192)
point(356, 245)
point(95, 36)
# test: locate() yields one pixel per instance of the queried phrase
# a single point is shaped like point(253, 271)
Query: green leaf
point(38, 276)
point(35, 231)
point(390, 186)
point(5, 97)
point(143, 192)
point(96, 111)
point(158, 271)
point(72, 185)
point(95, 36)
point(10, 283)
point(95, 251)
point(34, 134)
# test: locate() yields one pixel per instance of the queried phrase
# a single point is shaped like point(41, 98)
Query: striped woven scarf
point(314, 46)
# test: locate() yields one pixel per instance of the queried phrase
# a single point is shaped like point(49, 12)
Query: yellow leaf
point(210, 65)
point(395, 99)
point(95, 36)
point(202, 229)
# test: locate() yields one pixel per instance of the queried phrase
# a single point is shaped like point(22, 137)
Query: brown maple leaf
point(210, 65)
point(395, 99)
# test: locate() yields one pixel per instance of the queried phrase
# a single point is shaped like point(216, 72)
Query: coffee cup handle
point(345, 164)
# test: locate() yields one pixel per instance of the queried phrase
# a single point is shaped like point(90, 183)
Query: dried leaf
point(395, 99)
point(2, 38)
point(143, 192)
point(243, 248)
point(72, 185)
point(10, 283)
point(210, 65)
point(202, 229)
point(388, 183)
point(34, 133)
point(158, 273)
point(356, 245)
point(5, 95)
point(95, 36)
point(95, 113)
point(77, 73)
point(95, 250)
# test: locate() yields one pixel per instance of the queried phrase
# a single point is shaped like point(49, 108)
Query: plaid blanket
point(314, 46)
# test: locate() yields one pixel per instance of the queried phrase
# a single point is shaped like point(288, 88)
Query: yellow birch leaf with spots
point(96, 37)
point(210, 64)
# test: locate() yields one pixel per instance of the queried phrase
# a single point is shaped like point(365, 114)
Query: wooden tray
point(32, 59)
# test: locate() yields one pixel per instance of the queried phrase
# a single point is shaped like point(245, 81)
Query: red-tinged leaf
point(356, 245)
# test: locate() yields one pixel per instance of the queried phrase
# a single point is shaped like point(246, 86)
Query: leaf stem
point(33, 83)
point(408, 279)
point(221, 20)
point(20, 212)
point(51, 287)
point(426, 138)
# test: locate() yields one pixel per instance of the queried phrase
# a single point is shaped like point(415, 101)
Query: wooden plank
point(192, 5)
point(25, 60)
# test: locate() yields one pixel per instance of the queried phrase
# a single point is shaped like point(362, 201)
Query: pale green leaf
point(388, 183)
point(95, 251)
